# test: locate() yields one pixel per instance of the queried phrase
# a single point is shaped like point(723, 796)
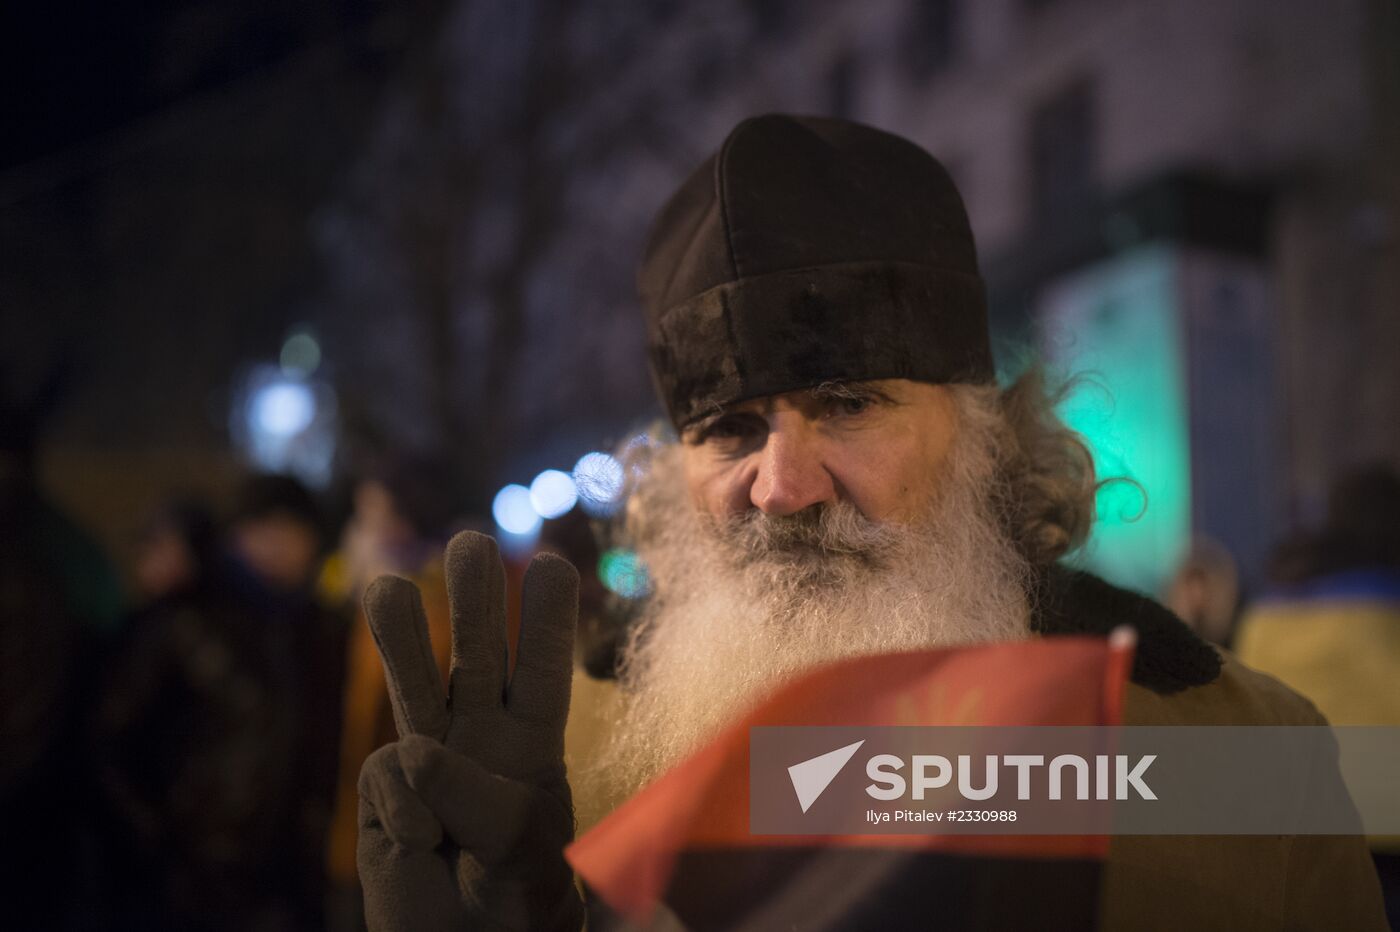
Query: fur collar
point(1170, 656)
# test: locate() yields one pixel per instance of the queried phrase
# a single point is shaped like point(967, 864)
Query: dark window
point(928, 41)
point(841, 85)
point(1062, 159)
point(663, 11)
point(770, 17)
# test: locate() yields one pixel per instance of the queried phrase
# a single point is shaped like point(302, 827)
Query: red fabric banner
point(703, 803)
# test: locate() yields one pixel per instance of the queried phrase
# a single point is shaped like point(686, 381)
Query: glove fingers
point(400, 628)
point(543, 677)
point(476, 592)
point(406, 820)
point(481, 812)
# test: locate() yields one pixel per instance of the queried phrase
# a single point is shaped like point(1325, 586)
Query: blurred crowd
point(184, 755)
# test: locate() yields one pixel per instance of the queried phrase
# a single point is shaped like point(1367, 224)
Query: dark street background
point(291, 292)
point(450, 198)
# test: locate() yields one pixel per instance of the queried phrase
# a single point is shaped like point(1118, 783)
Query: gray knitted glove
point(463, 821)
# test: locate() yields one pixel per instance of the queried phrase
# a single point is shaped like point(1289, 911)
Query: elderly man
point(847, 479)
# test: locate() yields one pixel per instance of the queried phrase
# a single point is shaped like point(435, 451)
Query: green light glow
point(623, 572)
point(1117, 323)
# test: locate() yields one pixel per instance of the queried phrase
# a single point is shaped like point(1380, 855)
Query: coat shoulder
point(1238, 696)
point(1170, 657)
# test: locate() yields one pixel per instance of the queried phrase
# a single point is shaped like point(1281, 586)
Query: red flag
point(696, 815)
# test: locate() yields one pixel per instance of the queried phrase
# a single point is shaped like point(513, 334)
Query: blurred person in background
point(59, 607)
point(1205, 591)
point(399, 522)
point(275, 536)
point(215, 730)
point(1329, 626)
point(174, 550)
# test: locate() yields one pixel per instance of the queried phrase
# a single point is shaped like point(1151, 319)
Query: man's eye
point(850, 407)
point(855, 405)
point(728, 428)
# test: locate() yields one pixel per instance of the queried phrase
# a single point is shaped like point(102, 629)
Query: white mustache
point(834, 529)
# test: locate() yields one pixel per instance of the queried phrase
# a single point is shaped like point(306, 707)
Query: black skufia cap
point(809, 250)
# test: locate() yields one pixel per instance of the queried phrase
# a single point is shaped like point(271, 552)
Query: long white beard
point(740, 607)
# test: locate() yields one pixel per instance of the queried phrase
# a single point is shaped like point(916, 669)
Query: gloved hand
point(463, 821)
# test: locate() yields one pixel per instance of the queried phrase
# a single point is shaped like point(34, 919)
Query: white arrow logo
point(811, 777)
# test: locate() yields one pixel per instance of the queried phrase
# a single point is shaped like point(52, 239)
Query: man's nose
point(791, 475)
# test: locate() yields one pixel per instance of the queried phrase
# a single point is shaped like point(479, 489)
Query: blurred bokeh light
point(553, 493)
point(301, 354)
point(285, 425)
point(598, 477)
point(514, 512)
point(624, 573)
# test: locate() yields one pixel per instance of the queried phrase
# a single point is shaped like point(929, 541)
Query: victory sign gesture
point(464, 819)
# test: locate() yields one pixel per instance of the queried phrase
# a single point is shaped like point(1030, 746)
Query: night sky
point(75, 71)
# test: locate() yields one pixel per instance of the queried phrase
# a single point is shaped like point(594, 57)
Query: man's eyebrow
point(701, 424)
point(826, 391)
point(718, 413)
point(831, 391)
